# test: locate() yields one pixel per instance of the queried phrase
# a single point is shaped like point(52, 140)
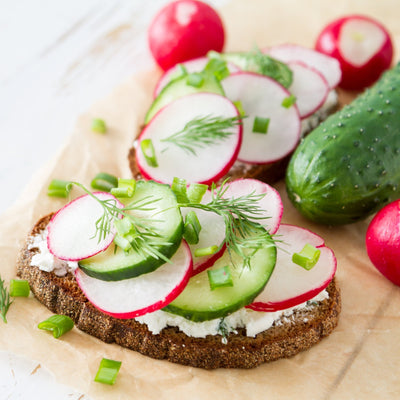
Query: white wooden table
point(57, 58)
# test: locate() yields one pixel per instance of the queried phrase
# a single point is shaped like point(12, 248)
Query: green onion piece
point(122, 242)
point(108, 371)
point(19, 288)
point(196, 191)
point(149, 153)
point(195, 79)
point(58, 324)
point(287, 102)
point(126, 188)
point(181, 70)
point(206, 251)
point(192, 228)
point(218, 68)
point(307, 257)
point(103, 181)
point(238, 104)
point(59, 188)
point(260, 125)
point(124, 226)
point(220, 277)
point(179, 188)
point(99, 126)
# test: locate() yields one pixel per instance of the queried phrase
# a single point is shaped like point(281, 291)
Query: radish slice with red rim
point(309, 87)
point(72, 230)
point(212, 233)
point(194, 65)
point(271, 204)
point(329, 67)
point(262, 97)
point(137, 296)
point(290, 284)
point(206, 163)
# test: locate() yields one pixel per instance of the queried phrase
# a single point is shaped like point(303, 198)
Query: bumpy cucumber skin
point(349, 167)
point(144, 264)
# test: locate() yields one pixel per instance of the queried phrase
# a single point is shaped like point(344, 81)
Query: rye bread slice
point(292, 335)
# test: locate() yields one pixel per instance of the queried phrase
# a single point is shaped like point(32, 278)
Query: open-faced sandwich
point(202, 277)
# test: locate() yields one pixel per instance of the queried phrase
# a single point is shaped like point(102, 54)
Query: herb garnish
point(244, 235)
point(145, 240)
point(5, 301)
point(201, 132)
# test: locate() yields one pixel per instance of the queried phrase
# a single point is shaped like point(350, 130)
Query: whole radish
point(362, 46)
point(185, 29)
point(383, 241)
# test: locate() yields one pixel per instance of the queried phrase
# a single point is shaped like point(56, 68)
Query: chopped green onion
point(192, 228)
point(19, 288)
point(108, 371)
point(179, 188)
point(5, 301)
point(126, 188)
point(99, 126)
point(58, 324)
point(195, 79)
point(122, 242)
point(260, 125)
point(307, 257)
point(206, 251)
point(220, 277)
point(124, 226)
point(218, 68)
point(59, 188)
point(196, 191)
point(287, 102)
point(238, 104)
point(103, 181)
point(149, 153)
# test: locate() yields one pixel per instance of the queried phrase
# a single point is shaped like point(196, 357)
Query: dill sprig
point(5, 301)
point(146, 239)
point(244, 234)
point(204, 131)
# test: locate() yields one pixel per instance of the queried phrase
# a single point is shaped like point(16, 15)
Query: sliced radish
point(271, 203)
point(262, 97)
point(72, 230)
point(212, 233)
point(194, 65)
point(290, 284)
point(328, 66)
point(309, 86)
point(210, 162)
point(362, 46)
point(133, 297)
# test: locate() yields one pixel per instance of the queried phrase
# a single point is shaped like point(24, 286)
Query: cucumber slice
point(177, 88)
point(114, 264)
point(199, 303)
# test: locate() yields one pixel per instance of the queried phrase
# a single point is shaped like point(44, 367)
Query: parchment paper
point(361, 359)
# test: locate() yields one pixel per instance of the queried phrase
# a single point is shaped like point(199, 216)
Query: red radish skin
point(383, 241)
point(328, 66)
point(211, 162)
point(183, 30)
point(271, 203)
point(290, 284)
point(261, 96)
point(130, 298)
point(362, 46)
point(309, 87)
point(195, 65)
point(71, 231)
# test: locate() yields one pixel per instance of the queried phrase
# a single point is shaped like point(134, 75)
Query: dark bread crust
point(63, 296)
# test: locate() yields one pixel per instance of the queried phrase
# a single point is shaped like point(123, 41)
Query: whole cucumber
point(349, 167)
